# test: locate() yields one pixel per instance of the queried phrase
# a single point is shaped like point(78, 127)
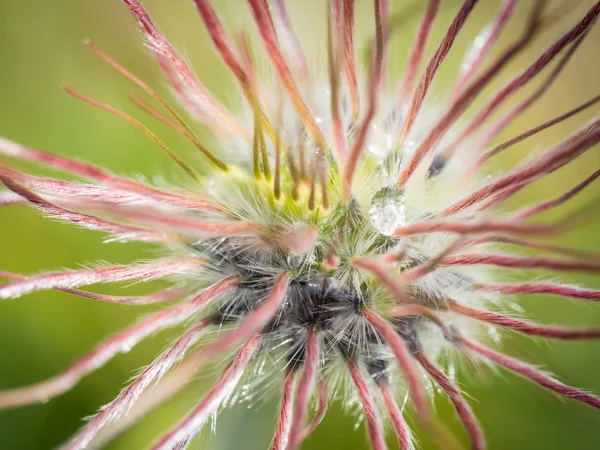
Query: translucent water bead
point(387, 210)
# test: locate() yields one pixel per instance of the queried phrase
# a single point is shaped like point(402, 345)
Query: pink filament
point(213, 400)
point(413, 379)
point(462, 407)
point(118, 343)
point(323, 399)
point(131, 393)
point(159, 296)
point(93, 173)
point(521, 262)
point(541, 288)
point(305, 388)
point(521, 326)
point(110, 274)
point(85, 220)
point(284, 422)
point(416, 53)
point(531, 373)
point(400, 426)
point(374, 423)
point(191, 92)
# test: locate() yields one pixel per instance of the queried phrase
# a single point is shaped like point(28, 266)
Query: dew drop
point(388, 212)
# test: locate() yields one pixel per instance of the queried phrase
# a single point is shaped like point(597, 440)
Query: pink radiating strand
point(400, 426)
point(335, 63)
point(497, 198)
point(122, 232)
point(78, 190)
point(118, 343)
point(349, 59)
point(222, 42)
point(472, 91)
point(413, 379)
point(253, 322)
point(160, 296)
point(434, 63)
point(531, 373)
point(533, 131)
point(382, 22)
point(291, 42)
point(521, 262)
point(540, 288)
point(521, 326)
point(305, 388)
point(74, 192)
point(219, 37)
point(15, 150)
point(263, 19)
point(173, 382)
point(468, 95)
point(517, 110)
point(384, 275)
point(416, 53)
point(374, 422)
point(482, 45)
point(470, 228)
point(284, 422)
point(462, 407)
point(298, 240)
point(565, 251)
point(187, 224)
point(323, 402)
point(529, 211)
point(247, 328)
point(375, 81)
point(411, 275)
point(191, 92)
point(549, 161)
point(125, 400)
point(269, 17)
point(524, 77)
point(111, 274)
point(545, 206)
point(224, 387)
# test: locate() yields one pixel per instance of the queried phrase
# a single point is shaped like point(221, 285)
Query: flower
point(343, 244)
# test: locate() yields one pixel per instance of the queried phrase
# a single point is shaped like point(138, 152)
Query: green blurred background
point(41, 48)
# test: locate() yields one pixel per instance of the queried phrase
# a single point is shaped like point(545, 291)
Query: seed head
point(346, 245)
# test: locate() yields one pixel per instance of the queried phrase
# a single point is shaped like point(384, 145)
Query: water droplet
point(388, 212)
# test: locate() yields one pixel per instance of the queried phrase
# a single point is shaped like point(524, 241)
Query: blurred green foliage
point(41, 48)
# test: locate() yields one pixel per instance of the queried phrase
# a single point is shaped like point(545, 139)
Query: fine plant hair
point(345, 235)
